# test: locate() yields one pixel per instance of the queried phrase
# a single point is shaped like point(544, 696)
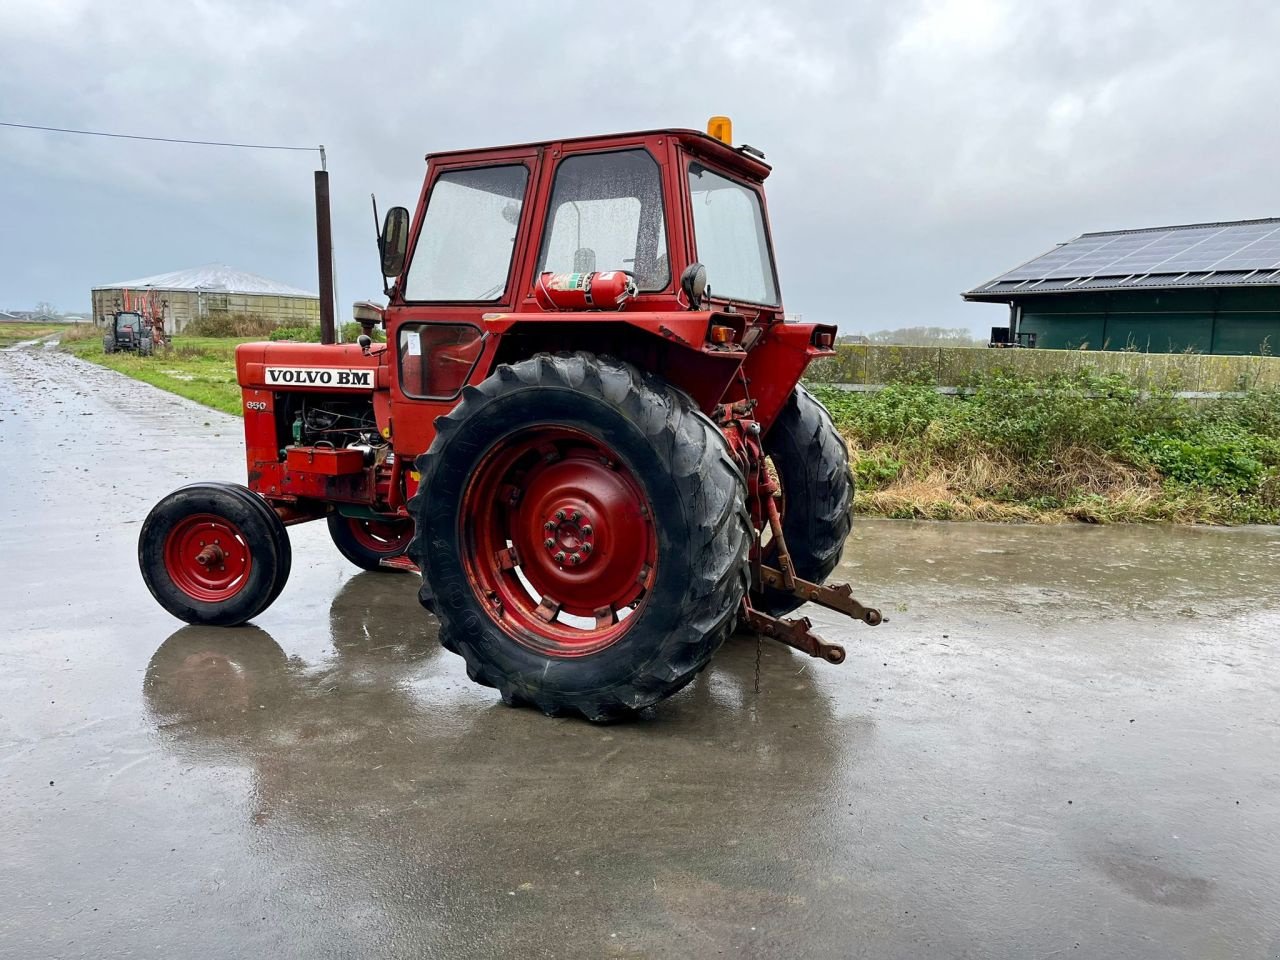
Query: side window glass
point(436, 358)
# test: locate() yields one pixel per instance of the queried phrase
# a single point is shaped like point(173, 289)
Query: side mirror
point(694, 284)
point(394, 241)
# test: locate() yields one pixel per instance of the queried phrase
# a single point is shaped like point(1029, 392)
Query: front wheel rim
point(386, 538)
point(207, 557)
point(559, 540)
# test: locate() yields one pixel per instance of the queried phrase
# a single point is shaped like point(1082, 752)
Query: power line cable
point(203, 143)
point(134, 136)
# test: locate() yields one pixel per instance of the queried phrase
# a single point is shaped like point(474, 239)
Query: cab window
point(728, 228)
point(468, 236)
point(436, 358)
point(606, 214)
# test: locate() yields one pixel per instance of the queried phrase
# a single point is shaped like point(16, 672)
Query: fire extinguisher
point(584, 291)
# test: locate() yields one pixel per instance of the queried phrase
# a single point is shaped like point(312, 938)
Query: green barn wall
point(1229, 321)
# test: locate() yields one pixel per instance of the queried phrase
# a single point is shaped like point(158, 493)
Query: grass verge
point(1075, 447)
point(198, 368)
point(11, 333)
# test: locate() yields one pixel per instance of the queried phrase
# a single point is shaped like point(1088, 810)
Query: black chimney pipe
point(324, 257)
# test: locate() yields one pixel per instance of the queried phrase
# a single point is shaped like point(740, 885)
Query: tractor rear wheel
point(366, 542)
point(812, 461)
point(582, 535)
point(214, 554)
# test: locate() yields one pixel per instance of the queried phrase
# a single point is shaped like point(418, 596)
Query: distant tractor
point(136, 325)
point(585, 430)
point(128, 333)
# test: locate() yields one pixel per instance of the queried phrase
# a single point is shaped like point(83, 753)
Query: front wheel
point(213, 553)
point(366, 541)
point(582, 535)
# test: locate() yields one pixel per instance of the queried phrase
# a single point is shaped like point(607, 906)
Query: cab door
point(469, 238)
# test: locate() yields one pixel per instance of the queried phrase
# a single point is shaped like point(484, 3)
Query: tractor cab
point(492, 224)
point(128, 326)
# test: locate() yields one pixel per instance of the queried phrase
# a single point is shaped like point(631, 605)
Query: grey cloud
point(919, 148)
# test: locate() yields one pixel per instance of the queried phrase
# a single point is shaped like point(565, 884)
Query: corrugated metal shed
point(213, 278)
point(1239, 253)
point(212, 291)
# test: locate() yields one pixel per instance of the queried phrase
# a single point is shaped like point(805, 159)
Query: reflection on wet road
point(1064, 744)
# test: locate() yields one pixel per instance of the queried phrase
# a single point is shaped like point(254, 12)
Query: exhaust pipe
point(324, 257)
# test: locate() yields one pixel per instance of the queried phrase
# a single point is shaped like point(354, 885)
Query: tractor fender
point(675, 346)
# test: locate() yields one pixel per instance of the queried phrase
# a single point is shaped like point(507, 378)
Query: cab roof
point(696, 141)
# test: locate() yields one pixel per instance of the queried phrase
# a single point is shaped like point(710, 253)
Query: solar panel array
point(1198, 249)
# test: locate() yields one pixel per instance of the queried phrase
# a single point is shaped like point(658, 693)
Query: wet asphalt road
point(1064, 744)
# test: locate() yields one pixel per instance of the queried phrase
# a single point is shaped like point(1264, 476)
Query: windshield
point(129, 320)
point(468, 236)
point(606, 214)
point(728, 225)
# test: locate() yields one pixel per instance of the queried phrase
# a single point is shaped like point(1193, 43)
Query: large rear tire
point(812, 462)
point(214, 553)
point(582, 535)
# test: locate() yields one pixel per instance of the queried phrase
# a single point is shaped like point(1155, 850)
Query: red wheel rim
point(385, 537)
point(207, 557)
point(559, 540)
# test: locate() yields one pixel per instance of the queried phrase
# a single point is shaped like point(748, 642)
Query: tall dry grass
point(1076, 448)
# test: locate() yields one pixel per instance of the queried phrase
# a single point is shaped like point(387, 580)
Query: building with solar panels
point(1203, 287)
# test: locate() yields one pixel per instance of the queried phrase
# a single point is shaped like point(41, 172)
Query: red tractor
point(586, 428)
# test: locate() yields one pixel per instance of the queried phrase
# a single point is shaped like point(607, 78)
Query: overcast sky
point(919, 148)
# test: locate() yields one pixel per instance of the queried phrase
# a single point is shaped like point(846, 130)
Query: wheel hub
point(208, 557)
point(571, 539)
point(571, 533)
point(211, 555)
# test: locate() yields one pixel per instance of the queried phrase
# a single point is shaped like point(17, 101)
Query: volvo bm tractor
point(585, 430)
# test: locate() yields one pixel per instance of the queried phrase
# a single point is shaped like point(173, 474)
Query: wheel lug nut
point(586, 548)
point(575, 516)
point(548, 526)
point(548, 543)
point(586, 531)
point(559, 514)
point(575, 559)
point(559, 557)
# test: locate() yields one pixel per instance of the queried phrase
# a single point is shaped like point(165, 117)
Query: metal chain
point(758, 647)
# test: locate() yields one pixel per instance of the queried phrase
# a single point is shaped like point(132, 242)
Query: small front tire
point(213, 554)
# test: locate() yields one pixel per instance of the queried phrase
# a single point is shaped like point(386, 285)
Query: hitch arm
point(794, 633)
point(838, 597)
